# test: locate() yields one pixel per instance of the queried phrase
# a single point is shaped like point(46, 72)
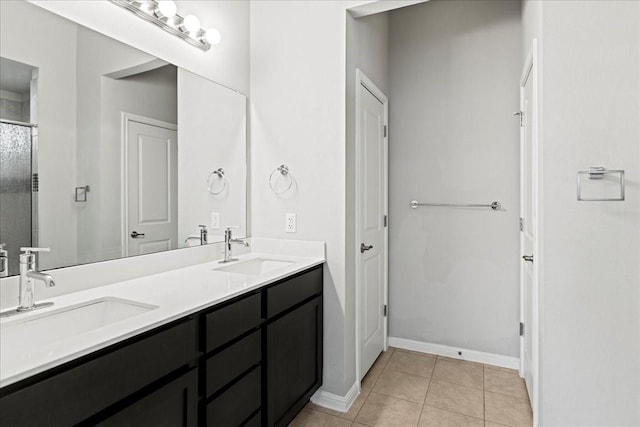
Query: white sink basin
point(42, 330)
point(254, 266)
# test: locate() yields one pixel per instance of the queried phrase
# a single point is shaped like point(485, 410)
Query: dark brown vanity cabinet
point(294, 346)
point(140, 376)
point(252, 361)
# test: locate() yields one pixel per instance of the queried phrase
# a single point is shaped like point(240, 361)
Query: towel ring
point(210, 182)
point(284, 171)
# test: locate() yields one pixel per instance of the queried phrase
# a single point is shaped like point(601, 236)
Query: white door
point(529, 219)
point(152, 190)
point(371, 223)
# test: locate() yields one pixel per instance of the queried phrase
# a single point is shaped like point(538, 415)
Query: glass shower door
point(16, 189)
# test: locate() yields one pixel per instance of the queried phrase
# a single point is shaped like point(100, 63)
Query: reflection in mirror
point(107, 151)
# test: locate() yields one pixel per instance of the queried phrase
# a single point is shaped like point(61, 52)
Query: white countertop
point(176, 293)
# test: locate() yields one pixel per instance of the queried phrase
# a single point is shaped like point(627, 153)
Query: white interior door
point(152, 188)
point(529, 221)
point(371, 223)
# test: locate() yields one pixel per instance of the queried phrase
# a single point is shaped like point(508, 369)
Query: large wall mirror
point(107, 151)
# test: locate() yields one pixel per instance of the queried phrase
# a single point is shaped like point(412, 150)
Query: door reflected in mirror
point(107, 151)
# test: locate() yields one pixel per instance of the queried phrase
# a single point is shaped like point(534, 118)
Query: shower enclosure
point(18, 188)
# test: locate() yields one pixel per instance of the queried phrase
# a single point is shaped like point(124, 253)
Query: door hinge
point(521, 329)
point(384, 310)
point(35, 182)
point(385, 131)
point(385, 220)
point(521, 224)
point(520, 116)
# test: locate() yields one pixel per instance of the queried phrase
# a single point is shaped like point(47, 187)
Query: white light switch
point(290, 223)
point(215, 220)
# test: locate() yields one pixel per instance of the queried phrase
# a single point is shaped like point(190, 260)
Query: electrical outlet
point(290, 224)
point(215, 220)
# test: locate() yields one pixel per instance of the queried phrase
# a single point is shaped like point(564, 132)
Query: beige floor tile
point(456, 398)
point(371, 378)
point(419, 353)
point(387, 411)
point(507, 410)
point(383, 358)
point(505, 382)
point(460, 373)
point(500, 368)
point(402, 386)
point(310, 418)
point(434, 417)
point(490, 424)
point(452, 359)
point(353, 411)
point(411, 363)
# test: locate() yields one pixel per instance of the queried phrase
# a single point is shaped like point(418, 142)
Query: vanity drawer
point(285, 295)
point(237, 403)
point(174, 404)
point(229, 322)
point(85, 388)
point(233, 361)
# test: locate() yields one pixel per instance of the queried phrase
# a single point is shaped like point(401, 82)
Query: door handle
point(136, 235)
point(527, 258)
point(364, 248)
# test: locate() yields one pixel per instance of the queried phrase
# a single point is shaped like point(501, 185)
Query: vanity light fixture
point(164, 13)
point(164, 9)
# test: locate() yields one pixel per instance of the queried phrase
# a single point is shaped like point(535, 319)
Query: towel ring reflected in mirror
point(282, 172)
point(217, 182)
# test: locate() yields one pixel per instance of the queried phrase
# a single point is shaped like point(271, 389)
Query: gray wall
point(454, 273)
point(590, 330)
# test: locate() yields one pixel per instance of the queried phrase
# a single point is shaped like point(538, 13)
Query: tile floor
point(405, 388)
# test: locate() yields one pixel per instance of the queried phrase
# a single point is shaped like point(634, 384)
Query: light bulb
point(147, 6)
point(191, 23)
point(166, 9)
point(212, 36)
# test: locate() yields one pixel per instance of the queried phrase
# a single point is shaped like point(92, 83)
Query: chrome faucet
point(4, 261)
point(203, 235)
point(228, 240)
point(28, 274)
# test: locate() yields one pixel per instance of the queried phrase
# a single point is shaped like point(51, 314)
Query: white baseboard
point(445, 350)
point(334, 401)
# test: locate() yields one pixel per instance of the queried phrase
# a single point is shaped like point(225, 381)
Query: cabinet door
point(294, 361)
point(173, 405)
point(236, 404)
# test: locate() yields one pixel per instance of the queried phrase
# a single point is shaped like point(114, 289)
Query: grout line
point(484, 399)
point(509, 395)
point(454, 412)
point(361, 406)
point(460, 385)
point(399, 398)
point(504, 394)
point(424, 401)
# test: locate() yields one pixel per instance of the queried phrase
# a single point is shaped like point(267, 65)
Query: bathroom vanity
point(211, 344)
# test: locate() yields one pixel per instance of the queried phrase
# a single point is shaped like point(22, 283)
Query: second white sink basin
point(254, 266)
point(44, 329)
